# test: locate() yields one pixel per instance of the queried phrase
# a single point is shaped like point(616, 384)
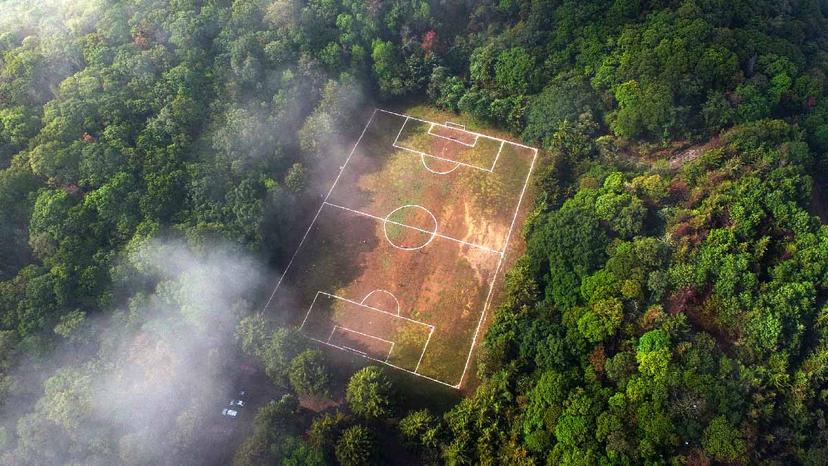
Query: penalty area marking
point(485, 136)
point(384, 362)
point(421, 153)
point(366, 356)
point(423, 353)
point(438, 172)
point(499, 150)
point(333, 296)
point(382, 291)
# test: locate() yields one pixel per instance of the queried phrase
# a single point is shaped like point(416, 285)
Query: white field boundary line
point(399, 132)
point(455, 125)
point(499, 150)
point(383, 362)
point(356, 303)
point(497, 270)
point(425, 347)
point(485, 136)
point(340, 327)
point(434, 233)
point(451, 139)
point(307, 314)
point(315, 217)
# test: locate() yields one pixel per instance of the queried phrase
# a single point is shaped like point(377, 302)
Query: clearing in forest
point(399, 263)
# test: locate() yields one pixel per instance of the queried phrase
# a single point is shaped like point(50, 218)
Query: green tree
point(73, 326)
point(369, 393)
point(421, 428)
point(278, 352)
point(724, 442)
point(515, 71)
point(325, 430)
point(251, 333)
point(602, 320)
point(308, 373)
point(356, 447)
point(387, 68)
point(296, 178)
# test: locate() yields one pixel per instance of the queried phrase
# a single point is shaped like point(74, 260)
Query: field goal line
point(455, 125)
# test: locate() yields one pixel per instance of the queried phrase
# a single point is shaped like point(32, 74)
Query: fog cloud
point(154, 391)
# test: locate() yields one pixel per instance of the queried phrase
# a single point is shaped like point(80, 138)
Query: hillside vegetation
point(662, 313)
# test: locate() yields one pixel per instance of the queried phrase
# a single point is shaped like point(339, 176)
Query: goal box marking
point(458, 135)
point(454, 145)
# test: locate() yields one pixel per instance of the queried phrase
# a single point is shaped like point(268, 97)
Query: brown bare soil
point(693, 152)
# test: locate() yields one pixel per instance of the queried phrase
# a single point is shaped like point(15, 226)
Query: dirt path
point(693, 152)
point(819, 205)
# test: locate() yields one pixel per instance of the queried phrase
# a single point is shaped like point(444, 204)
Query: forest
point(157, 158)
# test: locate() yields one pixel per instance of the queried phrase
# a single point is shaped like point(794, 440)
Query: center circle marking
point(386, 221)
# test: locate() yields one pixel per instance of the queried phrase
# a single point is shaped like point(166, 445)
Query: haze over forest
point(664, 301)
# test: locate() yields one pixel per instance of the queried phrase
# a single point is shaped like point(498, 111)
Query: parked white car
point(229, 412)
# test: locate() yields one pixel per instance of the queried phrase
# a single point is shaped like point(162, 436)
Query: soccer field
point(399, 263)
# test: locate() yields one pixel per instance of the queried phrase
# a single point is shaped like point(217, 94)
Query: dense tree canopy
point(669, 307)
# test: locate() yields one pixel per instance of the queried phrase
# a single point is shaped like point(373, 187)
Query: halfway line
point(415, 228)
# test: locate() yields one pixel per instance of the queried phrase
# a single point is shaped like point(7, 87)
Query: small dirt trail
point(693, 152)
point(819, 205)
